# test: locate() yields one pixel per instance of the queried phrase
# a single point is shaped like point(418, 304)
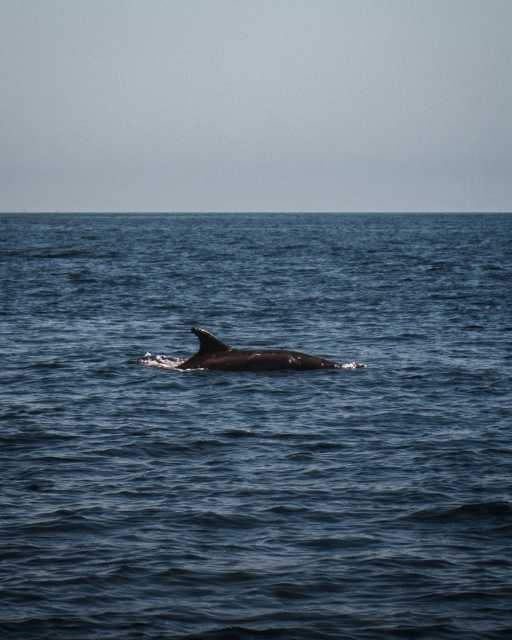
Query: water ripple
point(139, 503)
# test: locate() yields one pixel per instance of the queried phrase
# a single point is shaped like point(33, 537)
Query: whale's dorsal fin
point(208, 343)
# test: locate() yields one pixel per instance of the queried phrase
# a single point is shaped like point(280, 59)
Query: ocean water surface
point(363, 503)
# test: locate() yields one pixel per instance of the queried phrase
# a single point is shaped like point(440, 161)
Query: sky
point(255, 105)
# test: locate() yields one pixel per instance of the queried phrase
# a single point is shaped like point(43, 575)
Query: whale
point(215, 355)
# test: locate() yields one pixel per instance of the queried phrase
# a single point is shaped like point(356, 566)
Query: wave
point(53, 364)
point(465, 512)
point(213, 520)
point(270, 633)
point(71, 252)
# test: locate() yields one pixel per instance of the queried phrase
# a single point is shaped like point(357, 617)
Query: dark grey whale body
point(214, 354)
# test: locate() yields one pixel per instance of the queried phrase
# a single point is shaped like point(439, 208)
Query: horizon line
point(255, 212)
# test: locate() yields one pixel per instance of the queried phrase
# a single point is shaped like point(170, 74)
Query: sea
point(144, 503)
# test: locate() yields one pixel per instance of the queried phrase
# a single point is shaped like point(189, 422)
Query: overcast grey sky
point(254, 105)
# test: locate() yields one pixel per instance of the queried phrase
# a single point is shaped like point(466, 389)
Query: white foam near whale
point(161, 361)
point(352, 365)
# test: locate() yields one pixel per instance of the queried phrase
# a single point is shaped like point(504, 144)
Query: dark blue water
point(141, 503)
